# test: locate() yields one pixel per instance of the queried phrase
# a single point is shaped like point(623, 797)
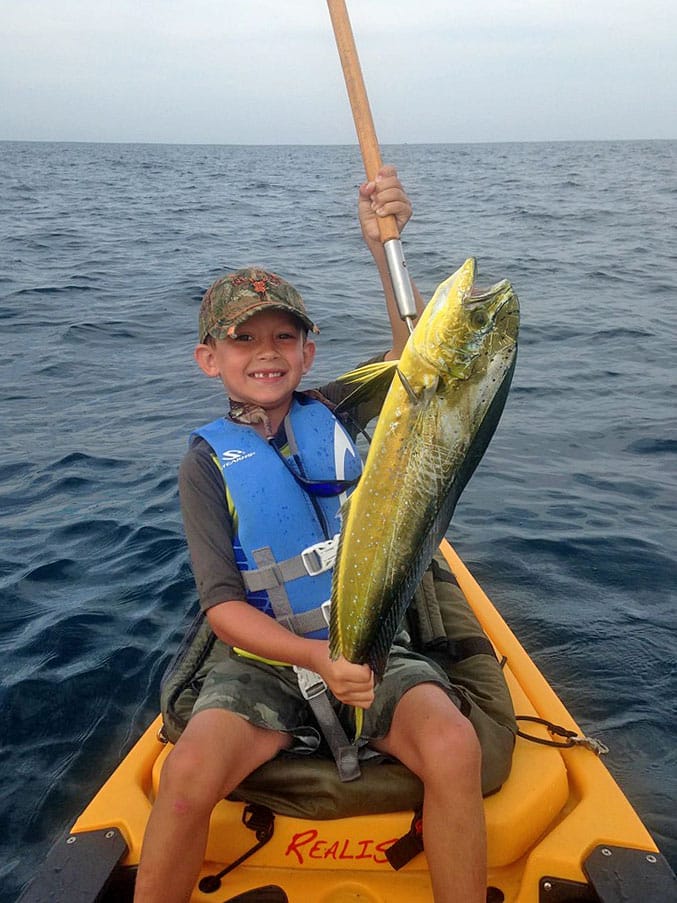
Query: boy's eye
point(285, 336)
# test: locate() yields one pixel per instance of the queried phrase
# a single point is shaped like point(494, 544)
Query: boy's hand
point(351, 684)
point(384, 196)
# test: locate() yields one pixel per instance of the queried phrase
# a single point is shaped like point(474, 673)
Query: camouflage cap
point(234, 298)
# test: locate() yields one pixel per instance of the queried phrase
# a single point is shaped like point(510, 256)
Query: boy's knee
point(190, 780)
point(183, 762)
point(452, 750)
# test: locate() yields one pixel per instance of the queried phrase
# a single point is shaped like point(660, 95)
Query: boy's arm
point(239, 624)
point(382, 197)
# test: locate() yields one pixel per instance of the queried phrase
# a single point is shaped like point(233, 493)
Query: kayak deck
point(559, 829)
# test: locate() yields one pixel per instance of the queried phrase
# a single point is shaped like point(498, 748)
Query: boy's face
point(264, 363)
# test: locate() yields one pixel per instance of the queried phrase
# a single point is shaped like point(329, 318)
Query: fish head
point(463, 325)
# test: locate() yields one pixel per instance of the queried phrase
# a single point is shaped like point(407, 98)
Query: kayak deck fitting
point(559, 831)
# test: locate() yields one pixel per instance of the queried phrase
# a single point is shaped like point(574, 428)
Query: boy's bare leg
point(215, 753)
point(429, 735)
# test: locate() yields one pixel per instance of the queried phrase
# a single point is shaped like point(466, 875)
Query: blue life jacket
point(284, 537)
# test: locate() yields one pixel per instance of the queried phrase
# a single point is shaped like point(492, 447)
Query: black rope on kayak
point(571, 737)
point(259, 819)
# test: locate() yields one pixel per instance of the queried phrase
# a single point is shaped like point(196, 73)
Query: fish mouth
point(485, 305)
point(477, 296)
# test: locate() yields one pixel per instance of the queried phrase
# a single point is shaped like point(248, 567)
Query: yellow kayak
point(559, 831)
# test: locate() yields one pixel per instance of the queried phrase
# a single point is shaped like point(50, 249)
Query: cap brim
point(228, 328)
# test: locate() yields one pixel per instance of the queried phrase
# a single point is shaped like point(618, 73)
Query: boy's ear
point(206, 361)
point(308, 355)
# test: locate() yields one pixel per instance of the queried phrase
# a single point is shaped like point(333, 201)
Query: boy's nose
point(266, 347)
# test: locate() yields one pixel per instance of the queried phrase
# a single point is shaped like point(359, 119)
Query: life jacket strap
point(314, 560)
point(300, 623)
point(345, 753)
point(308, 621)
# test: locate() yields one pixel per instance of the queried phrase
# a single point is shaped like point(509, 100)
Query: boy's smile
point(262, 363)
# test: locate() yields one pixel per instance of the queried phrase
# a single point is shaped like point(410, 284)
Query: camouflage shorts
point(269, 696)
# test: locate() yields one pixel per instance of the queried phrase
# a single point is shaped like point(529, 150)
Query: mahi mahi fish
point(444, 402)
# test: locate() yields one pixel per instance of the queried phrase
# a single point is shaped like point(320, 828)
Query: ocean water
point(568, 523)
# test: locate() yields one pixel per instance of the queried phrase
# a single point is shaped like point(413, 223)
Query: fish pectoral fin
point(343, 514)
point(368, 381)
point(408, 387)
point(427, 388)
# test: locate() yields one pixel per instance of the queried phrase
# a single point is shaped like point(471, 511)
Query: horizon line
point(125, 141)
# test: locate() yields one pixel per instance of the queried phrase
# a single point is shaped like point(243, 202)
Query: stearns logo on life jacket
point(234, 456)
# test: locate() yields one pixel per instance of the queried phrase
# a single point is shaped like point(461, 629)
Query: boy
point(253, 337)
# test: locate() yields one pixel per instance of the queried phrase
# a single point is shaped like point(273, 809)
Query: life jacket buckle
point(320, 557)
point(310, 683)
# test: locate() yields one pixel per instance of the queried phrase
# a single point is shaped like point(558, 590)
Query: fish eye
point(479, 317)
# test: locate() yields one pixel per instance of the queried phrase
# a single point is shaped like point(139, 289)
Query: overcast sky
point(267, 71)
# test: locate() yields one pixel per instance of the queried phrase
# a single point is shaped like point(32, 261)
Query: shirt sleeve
point(209, 528)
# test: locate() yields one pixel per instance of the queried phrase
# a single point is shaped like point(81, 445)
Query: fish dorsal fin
point(368, 381)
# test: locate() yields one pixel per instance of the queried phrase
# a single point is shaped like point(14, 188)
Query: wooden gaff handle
point(359, 103)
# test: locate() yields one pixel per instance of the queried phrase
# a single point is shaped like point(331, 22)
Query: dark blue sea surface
point(568, 523)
